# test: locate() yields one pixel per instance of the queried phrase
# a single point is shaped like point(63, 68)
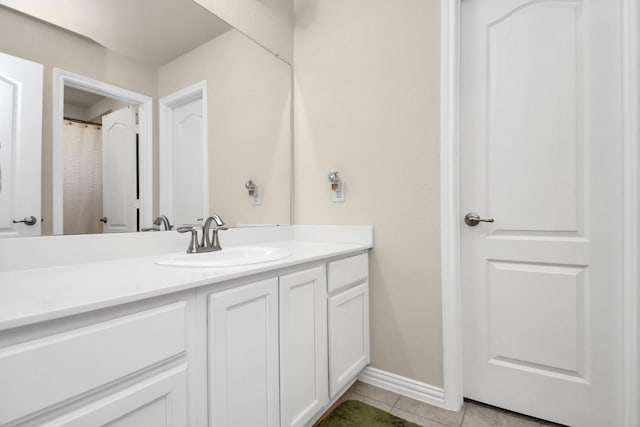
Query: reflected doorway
point(184, 159)
point(114, 168)
point(100, 162)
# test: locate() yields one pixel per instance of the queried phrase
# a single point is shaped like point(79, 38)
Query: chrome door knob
point(472, 219)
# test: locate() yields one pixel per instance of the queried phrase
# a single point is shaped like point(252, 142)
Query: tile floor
point(472, 414)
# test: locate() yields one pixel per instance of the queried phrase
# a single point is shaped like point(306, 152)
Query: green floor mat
point(352, 413)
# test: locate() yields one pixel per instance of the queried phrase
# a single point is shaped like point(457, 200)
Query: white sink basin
point(231, 257)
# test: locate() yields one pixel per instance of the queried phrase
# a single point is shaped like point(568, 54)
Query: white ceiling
point(150, 31)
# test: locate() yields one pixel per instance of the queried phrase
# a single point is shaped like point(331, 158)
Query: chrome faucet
point(163, 220)
point(207, 243)
point(212, 244)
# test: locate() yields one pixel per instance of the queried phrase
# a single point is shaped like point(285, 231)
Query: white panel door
point(303, 346)
point(184, 159)
point(243, 356)
point(541, 154)
point(119, 169)
point(189, 179)
point(349, 350)
point(20, 146)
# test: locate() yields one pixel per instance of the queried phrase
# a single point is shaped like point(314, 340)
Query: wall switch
point(338, 195)
point(256, 199)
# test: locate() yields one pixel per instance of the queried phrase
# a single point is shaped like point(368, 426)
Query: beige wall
point(249, 92)
point(93, 112)
point(367, 103)
point(30, 39)
point(102, 107)
point(75, 112)
point(268, 22)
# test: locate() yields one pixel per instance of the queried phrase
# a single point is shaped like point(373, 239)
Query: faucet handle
point(193, 243)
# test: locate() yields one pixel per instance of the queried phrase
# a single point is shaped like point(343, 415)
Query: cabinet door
point(243, 356)
point(348, 336)
point(303, 345)
point(158, 401)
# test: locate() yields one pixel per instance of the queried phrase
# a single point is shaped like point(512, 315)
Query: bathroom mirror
point(248, 92)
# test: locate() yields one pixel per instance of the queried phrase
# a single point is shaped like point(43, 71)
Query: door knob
point(103, 219)
point(472, 219)
point(28, 220)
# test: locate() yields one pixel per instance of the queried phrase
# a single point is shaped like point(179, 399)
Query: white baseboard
point(403, 386)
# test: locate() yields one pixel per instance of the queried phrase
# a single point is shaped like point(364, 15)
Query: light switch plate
point(338, 195)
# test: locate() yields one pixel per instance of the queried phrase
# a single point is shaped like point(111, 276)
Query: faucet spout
point(209, 243)
point(219, 222)
point(164, 221)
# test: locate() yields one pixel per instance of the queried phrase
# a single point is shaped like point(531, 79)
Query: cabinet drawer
point(160, 401)
point(49, 370)
point(347, 271)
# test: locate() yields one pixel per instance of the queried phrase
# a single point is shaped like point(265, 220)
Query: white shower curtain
point(82, 178)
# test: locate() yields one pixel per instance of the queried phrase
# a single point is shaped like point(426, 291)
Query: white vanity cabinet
point(277, 345)
point(243, 355)
point(272, 348)
point(267, 345)
point(303, 345)
point(348, 320)
point(123, 366)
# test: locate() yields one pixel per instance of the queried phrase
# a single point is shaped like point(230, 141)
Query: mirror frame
point(62, 79)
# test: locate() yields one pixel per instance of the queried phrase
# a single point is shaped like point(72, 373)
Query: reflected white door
point(20, 142)
point(184, 162)
point(119, 171)
point(188, 176)
point(541, 153)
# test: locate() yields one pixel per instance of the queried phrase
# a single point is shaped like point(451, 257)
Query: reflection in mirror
point(248, 122)
point(184, 162)
point(82, 137)
point(125, 148)
point(247, 97)
point(20, 146)
point(151, 32)
point(101, 164)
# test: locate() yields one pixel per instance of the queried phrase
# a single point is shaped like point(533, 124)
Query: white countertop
point(38, 294)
